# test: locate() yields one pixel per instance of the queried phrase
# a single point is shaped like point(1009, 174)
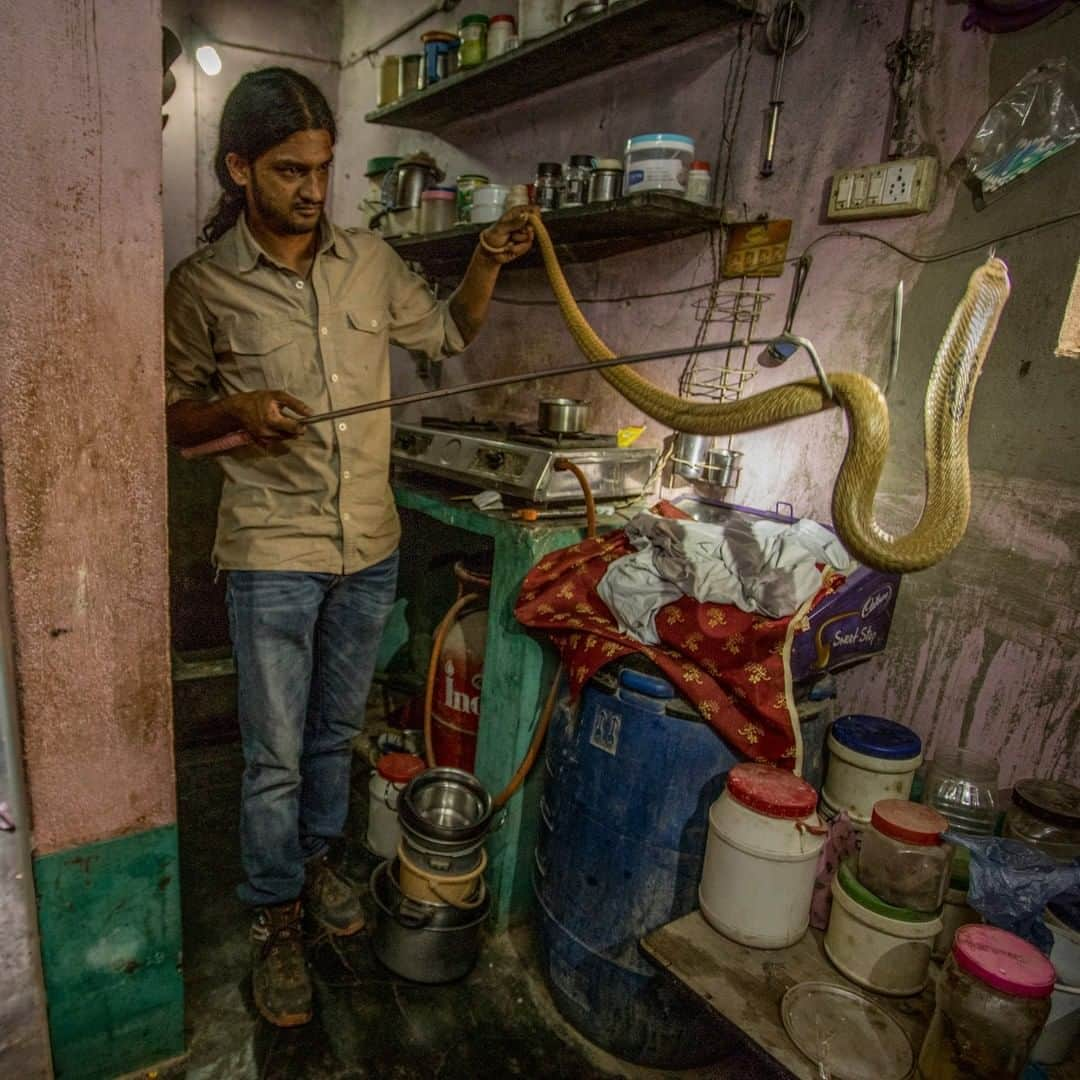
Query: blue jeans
point(305, 648)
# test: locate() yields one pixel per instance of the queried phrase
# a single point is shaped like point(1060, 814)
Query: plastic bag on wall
point(1037, 118)
point(1011, 884)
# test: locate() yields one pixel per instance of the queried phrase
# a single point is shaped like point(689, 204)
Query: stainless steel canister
point(606, 181)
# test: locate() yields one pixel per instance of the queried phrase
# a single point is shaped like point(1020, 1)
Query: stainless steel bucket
point(427, 943)
point(446, 809)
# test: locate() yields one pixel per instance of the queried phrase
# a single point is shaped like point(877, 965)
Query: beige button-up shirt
point(235, 320)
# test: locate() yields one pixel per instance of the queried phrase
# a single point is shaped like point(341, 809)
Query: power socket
point(890, 189)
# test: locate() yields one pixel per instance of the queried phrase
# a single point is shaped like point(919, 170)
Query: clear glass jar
point(902, 859)
point(993, 998)
point(548, 186)
point(576, 180)
point(472, 31)
point(1046, 815)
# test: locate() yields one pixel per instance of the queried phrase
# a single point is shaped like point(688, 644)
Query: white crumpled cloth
point(768, 567)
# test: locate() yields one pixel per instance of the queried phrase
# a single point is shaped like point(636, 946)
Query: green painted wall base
point(109, 915)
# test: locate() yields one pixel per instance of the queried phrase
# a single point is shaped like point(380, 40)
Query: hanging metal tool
point(785, 31)
point(784, 346)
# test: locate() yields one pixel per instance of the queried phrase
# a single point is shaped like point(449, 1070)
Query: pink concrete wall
point(984, 648)
point(81, 414)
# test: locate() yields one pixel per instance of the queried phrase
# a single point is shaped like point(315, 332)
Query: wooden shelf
point(580, 233)
point(625, 31)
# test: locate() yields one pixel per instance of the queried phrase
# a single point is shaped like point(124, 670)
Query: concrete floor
point(368, 1023)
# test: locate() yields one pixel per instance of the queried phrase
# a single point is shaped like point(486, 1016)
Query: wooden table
point(746, 985)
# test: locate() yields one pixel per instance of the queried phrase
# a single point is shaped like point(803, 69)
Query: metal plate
point(846, 1033)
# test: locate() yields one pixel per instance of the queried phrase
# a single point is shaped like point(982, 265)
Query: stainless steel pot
point(444, 859)
point(428, 943)
point(447, 809)
point(563, 416)
point(690, 454)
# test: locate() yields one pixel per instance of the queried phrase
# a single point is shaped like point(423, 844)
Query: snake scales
point(949, 396)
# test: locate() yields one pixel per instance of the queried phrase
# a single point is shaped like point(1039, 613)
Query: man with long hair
point(278, 316)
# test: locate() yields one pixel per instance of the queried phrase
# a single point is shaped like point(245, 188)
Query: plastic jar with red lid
point(993, 998)
point(903, 859)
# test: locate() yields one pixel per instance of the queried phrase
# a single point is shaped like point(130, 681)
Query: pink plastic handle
point(218, 446)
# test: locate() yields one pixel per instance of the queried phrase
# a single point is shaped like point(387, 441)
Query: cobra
point(947, 413)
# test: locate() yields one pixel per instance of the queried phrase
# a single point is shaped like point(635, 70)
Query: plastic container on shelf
point(548, 187)
point(488, 202)
point(392, 773)
point(467, 183)
point(438, 210)
point(962, 785)
point(536, 18)
point(880, 946)
point(606, 181)
point(760, 857)
point(993, 998)
point(955, 912)
point(473, 31)
point(501, 36)
point(388, 81)
point(870, 759)
point(699, 182)
point(437, 45)
point(409, 74)
point(576, 180)
point(659, 162)
point(1046, 815)
point(1063, 1024)
point(902, 858)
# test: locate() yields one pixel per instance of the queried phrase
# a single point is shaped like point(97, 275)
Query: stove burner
point(472, 425)
point(580, 440)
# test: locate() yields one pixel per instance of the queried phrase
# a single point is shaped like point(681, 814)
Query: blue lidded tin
point(870, 758)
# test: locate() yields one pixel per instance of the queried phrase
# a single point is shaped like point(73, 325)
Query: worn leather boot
point(330, 900)
point(279, 976)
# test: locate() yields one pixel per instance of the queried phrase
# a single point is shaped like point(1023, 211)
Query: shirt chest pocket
point(254, 354)
point(366, 357)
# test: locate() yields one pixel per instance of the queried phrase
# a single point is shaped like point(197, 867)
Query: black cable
point(851, 234)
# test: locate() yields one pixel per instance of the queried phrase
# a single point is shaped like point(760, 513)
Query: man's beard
point(276, 220)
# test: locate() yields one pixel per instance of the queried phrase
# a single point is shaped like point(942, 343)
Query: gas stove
point(520, 461)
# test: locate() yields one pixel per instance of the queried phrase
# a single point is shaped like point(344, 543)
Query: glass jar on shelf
point(962, 785)
point(547, 190)
point(1046, 815)
point(902, 858)
point(993, 998)
point(576, 180)
point(473, 31)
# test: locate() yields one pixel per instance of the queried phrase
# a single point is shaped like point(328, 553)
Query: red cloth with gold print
point(731, 664)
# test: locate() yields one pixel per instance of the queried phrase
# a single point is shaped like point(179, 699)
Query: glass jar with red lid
point(903, 859)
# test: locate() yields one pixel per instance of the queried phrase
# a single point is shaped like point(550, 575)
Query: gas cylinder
point(455, 706)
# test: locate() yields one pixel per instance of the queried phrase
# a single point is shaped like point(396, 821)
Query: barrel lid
point(475, 18)
point(502, 18)
point(609, 164)
point(399, 768)
point(701, 166)
point(641, 140)
point(862, 896)
point(1053, 800)
point(1003, 961)
point(585, 160)
point(877, 737)
point(771, 791)
point(438, 193)
point(381, 164)
point(908, 821)
point(438, 35)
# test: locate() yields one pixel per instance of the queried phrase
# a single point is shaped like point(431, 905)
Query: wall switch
point(890, 189)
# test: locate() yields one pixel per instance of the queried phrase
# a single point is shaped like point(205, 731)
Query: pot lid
point(862, 896)
point(908, 821)
point(1003, 961)
point(1054, 800)
point(399, 768)
point(771, 791)
point(876, 737)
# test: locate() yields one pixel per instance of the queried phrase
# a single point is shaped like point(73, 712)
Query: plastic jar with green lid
point(472, 30)
point(993, 998)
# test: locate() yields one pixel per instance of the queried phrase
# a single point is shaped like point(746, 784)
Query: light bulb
point(208, 59)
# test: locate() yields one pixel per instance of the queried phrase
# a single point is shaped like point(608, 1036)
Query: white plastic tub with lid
point(760, 857)
point(883, 948)
point(392, 772)
point(870, 759)
point(1063, 1023)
